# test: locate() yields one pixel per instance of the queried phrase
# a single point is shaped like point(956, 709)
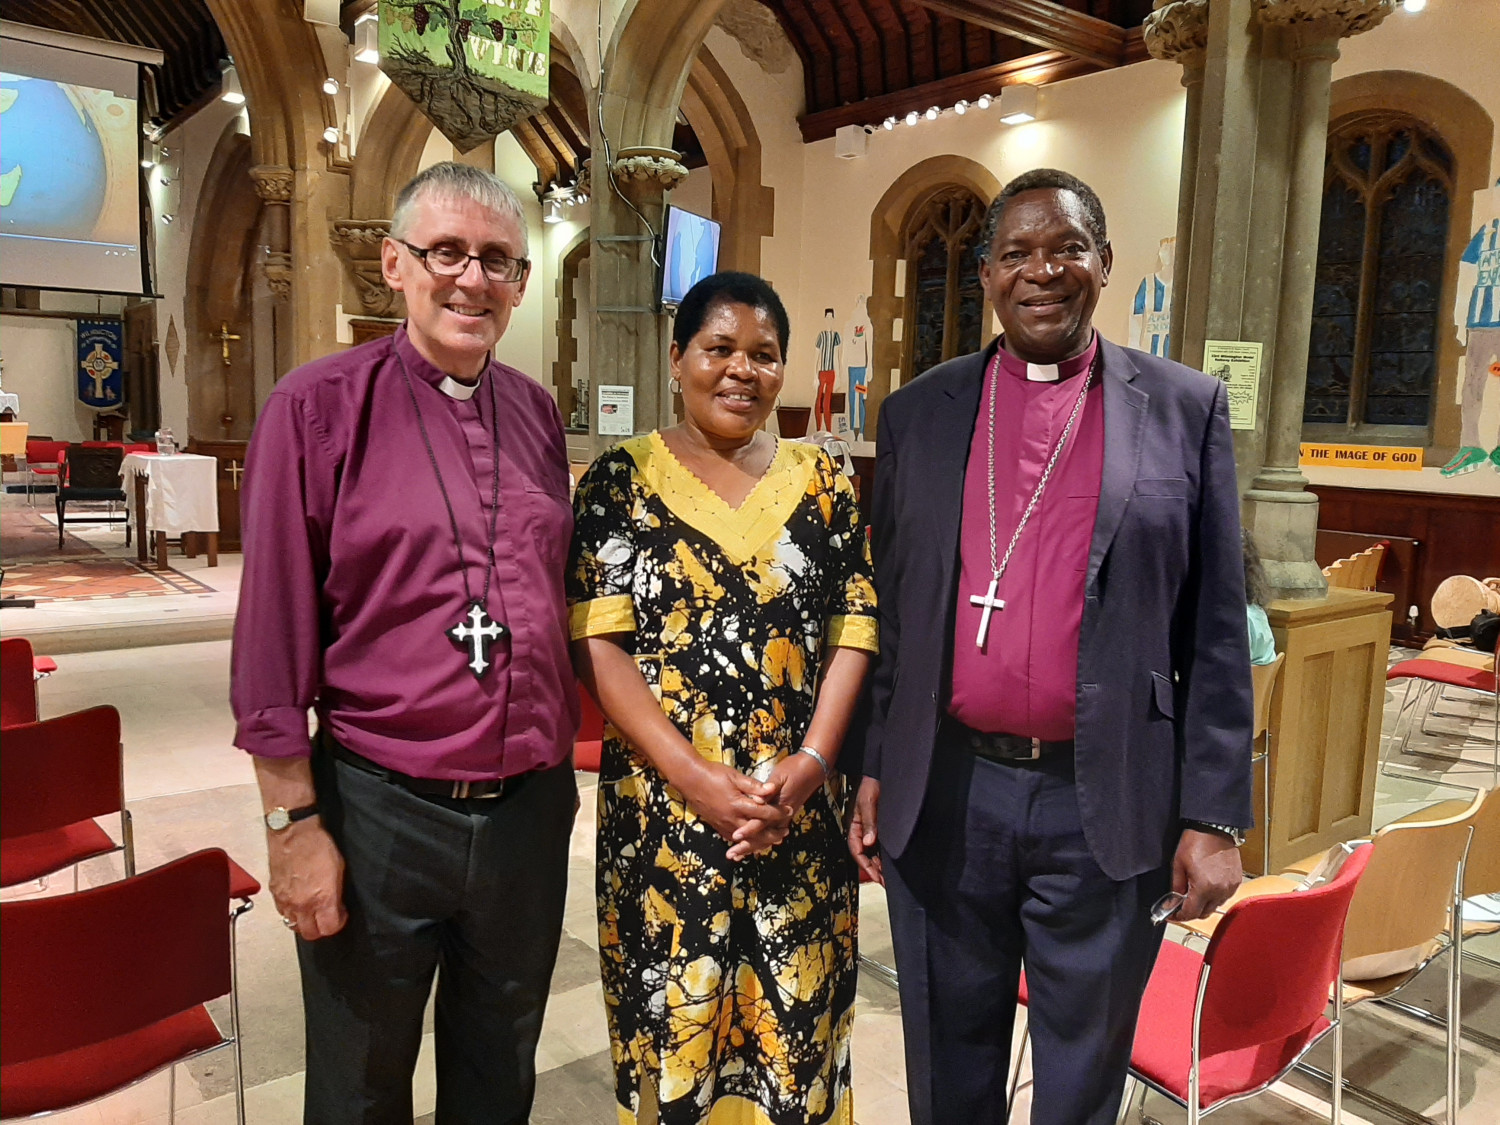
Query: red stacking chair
point(588, 747)
point(1430, 673)
point(105, 987)
point(42, 460)
point(56, 777)
point(17, 683)
point(1222, 1025)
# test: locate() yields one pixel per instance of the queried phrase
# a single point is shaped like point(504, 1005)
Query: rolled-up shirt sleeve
point(286, 509)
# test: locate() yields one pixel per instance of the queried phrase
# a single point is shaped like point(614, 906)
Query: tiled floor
point(95, 579)
point(189, 788)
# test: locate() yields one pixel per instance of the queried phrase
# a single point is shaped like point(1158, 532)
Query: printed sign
point(616, 411)
point(1236, 363)
point(1405, 457)
point(101, 351)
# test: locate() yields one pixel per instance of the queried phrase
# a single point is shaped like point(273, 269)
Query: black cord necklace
point(475, 631)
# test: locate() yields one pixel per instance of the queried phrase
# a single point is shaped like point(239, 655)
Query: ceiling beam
point(1047, 25)
point(1037, 69)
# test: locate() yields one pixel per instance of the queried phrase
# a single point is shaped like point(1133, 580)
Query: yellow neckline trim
point(742, 531)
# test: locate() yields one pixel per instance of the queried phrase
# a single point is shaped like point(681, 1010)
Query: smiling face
point(455, 321)
point(1044, 275)
point(731, 372)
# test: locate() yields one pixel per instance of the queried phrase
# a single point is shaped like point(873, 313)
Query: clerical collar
point(422, 369)
point(461, 391)
point(1048, 372)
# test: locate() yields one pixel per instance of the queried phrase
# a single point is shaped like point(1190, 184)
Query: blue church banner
point(101, 351)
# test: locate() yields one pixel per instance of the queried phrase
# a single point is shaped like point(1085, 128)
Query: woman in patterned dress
point(723, 617)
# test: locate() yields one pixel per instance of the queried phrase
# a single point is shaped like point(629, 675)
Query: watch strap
point(1234, 833)
point(288, 817)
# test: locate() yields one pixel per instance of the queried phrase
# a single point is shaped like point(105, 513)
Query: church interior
point(1303, 199)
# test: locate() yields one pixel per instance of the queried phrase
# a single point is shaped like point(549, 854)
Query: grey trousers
point(471, 890)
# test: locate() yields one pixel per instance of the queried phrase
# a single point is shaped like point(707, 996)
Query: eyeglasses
point(449, 261)
point(1166, 906)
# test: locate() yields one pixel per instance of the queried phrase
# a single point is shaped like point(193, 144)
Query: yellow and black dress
point(729, 987)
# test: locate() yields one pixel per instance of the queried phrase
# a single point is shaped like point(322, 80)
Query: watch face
point(278, 819)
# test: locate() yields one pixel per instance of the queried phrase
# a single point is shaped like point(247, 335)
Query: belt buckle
point(1036, 750)
point(462, 790)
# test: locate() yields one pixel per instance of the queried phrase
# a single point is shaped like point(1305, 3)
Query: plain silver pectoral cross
point(476, 632)
point(990, 603)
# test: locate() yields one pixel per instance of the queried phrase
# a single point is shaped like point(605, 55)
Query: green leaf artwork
point(475, 69)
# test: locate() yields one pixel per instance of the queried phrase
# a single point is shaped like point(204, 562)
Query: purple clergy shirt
point(1025, 679)
point(352, 576)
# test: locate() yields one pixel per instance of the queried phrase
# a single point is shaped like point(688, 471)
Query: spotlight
point(932, 113)
point(230, 86)
point(1414, 6)
point(367, 39)
point(147, 162)
point(331, 134)
point(984, 101)
point(961, 108)
point(913, 117)
point(330, 86)
point(167, 219)
point(552, 212)
point(888, 124)
point(1018, 104)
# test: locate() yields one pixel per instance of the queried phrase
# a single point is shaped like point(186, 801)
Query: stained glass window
point(944, 300)
point(1376, 300)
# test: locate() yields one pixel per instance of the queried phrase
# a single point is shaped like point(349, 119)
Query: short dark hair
point(1046, 179)
point(729, 287)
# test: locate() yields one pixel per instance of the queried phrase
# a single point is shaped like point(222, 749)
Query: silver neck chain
point(998, 569)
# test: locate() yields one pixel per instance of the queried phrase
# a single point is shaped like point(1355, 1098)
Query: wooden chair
point(91, 472)
point(107, 986)
point(1407, 900)
point(1357, 572)
point(1265, 678)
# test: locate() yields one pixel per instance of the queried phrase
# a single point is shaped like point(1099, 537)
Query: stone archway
point(741, 202)
point(221, 294)
point(888, 230)
point(572, 260)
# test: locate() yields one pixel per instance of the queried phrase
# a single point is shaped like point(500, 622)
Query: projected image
point(68, 156)
point(692, 253)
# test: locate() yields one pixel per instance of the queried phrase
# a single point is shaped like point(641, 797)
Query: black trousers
point(470, 889)
point(997, 874)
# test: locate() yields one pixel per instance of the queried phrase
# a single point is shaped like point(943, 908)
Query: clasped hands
point(753, 816)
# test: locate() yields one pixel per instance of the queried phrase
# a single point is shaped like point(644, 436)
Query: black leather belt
point(996, 747)
point(487, 789)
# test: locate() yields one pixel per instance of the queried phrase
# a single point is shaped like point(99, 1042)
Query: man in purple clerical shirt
point(406, 523)
point(1059, 724)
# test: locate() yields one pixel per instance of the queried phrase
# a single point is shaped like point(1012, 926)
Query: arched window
point(944, 300)
point(1372, 362)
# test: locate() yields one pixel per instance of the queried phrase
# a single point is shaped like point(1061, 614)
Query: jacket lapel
point(1124, 427)
point(947, 459)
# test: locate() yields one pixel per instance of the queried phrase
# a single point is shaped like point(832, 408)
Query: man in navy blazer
point(1059, 724)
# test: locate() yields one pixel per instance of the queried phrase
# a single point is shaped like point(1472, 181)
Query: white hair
point(451, 180)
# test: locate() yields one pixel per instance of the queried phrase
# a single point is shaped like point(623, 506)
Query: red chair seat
point(73, 1077)
point(23, 858)
point(43, 665)
point(1164, 1037)
point(1440, 671)
point(242, 884)
point(586, 755)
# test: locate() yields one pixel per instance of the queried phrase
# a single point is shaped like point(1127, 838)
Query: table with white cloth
point(11, 403)
point(176, 496)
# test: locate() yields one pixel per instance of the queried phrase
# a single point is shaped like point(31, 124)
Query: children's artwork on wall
point(858, 338)
point(1476, 314)
point(1151, 314)
point(829, 345)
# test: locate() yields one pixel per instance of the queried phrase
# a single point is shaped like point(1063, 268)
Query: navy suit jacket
point(1164, 695)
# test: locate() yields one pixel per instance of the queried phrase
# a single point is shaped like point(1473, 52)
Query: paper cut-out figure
point(1151, 315)
point(858, 334)
point(828, 344)
point(1476, 312)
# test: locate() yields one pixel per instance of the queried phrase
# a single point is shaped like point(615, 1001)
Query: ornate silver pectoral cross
point(477, 632)
point(990, 603)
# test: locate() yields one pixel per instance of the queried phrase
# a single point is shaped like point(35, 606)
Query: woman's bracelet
point(813, 753)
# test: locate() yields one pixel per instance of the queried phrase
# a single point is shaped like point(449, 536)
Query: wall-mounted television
point(690, 254)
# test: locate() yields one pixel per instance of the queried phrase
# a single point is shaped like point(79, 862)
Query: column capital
point(358, 243)
point(645, 163)
point(1331, 19)
point(273, 182)
point(1177, 31)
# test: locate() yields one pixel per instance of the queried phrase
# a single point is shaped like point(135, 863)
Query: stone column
point(630, 337)
point(273, 183)
point(1257, 74)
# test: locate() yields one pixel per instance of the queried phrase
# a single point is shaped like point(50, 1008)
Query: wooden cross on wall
point(235, 470)
point(223, 335)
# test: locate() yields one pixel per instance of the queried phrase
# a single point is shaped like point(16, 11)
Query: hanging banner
point(1404, 457)
point(475, 69)
point(101, 351)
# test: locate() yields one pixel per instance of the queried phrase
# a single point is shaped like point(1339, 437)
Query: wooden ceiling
point(864, 60)
point(183, 30)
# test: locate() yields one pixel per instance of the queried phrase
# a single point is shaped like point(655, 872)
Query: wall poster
point(1236, 363)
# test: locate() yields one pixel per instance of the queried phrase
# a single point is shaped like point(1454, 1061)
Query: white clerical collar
point(465, 391)
point(1041, 373)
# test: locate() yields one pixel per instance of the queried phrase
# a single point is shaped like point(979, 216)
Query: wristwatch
point(280, 819)
point(1235, 834)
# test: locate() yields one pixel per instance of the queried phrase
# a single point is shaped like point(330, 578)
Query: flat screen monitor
point(70, 205)
point(692, 253)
